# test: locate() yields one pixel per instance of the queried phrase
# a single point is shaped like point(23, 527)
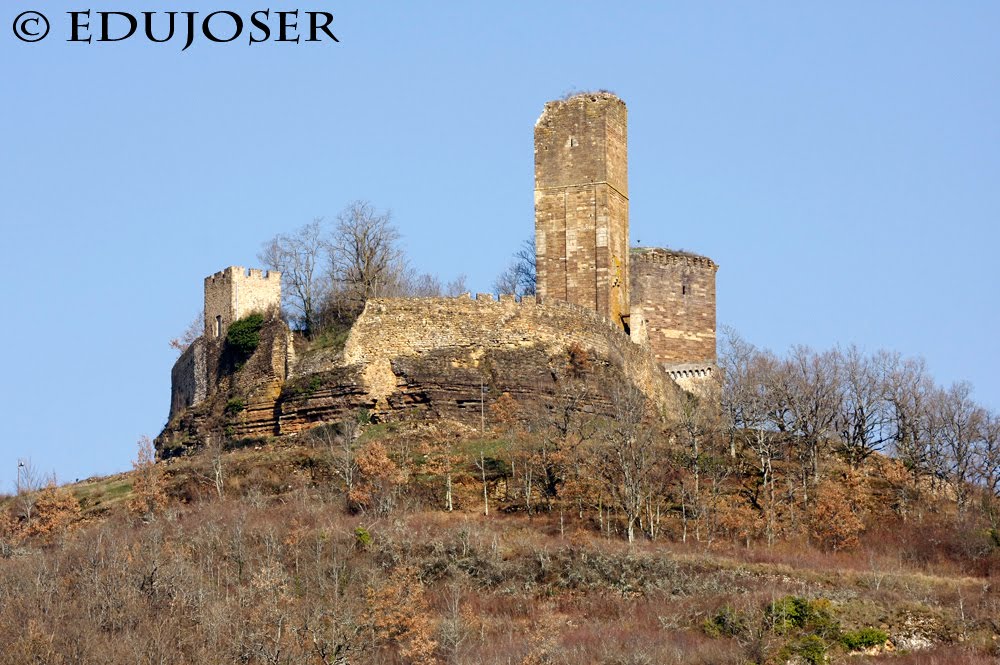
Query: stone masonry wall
point(188, 378)
point(390, 329)
point(673, 293)
point(581, 204)
point(235, 292)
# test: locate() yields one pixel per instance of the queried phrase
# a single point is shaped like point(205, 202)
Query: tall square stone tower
point(235, 292)
point(581, 204)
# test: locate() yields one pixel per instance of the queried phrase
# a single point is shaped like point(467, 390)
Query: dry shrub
point(398, 615)
point(54, 510)
point(379, 478)
point(577, 360)
point(739, 520)
point(833, 524)
point(149, 495)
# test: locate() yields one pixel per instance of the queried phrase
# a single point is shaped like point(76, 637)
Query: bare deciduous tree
point(298, 256)
point(988, 468)
point(813, 401)
point(426, 285)
point(194, 330)
point(747, 399)
point(626, 459)
point(366, 260)
point(862, 421)
point(519, 277)
point(961, 419)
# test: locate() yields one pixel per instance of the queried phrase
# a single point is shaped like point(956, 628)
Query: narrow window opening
point(684, 289)
point(218, 325)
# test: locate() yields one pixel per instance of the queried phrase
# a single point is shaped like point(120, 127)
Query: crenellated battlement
point(666, 256)
point(239, 273)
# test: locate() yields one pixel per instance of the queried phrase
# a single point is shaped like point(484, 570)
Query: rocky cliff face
point(418, 358)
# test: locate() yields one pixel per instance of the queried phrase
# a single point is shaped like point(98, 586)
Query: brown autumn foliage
point(269, 574)
point(148, 490)
point(833, 524)
point(397, 613)
point(55, 511)
point(728, 511)
point(378, 479)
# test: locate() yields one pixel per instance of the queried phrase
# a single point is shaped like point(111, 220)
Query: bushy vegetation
point(863, 638)
point(235, 406)
point(243, 336)
point(772, 530)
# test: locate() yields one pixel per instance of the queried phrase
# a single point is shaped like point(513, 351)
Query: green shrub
point(811, 649)
point(788, 613)
point(303, 388)
point(243, 336)
point(865, 638)
point(727, 622)
point(796, 613)
point(333, 338)
point(362, 537)
point(235, 406)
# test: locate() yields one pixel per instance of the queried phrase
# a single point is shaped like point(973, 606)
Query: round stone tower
point(673, 309)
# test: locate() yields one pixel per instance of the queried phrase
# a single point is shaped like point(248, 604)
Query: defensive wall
point(390, 328)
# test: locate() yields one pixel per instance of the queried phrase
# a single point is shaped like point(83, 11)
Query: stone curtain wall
point(581, 203)
point(400, 327)
point(188, 378)
point(420, 358)
point(674, 294)
point(234, 292)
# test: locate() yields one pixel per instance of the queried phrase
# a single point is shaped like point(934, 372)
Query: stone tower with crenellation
point(581, 204)
point(673, 310)
point(233, 293)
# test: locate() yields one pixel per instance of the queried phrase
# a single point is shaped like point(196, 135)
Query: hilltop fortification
point(645, 317)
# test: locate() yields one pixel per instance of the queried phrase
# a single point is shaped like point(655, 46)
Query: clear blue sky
point(840, 162)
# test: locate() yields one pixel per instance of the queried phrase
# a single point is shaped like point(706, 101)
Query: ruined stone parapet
point(391, 328)
point(189, 378)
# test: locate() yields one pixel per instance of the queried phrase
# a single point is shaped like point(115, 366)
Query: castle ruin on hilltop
point(645, 315)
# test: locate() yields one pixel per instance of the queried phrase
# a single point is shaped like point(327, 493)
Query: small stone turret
point(235, 292)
